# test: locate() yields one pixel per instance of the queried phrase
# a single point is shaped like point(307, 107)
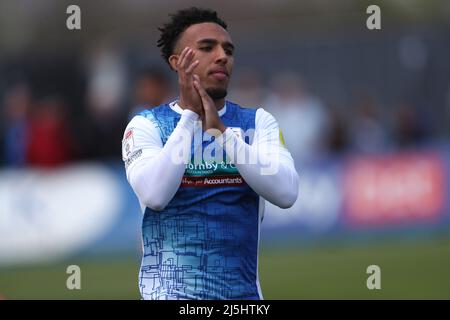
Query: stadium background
point(365, 113)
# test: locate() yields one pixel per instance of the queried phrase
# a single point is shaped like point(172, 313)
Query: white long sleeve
point(155, 171)
point(272, 175)
point(155, 175)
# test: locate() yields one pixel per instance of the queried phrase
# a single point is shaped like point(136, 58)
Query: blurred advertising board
point(91, 209)
point(395, 189)
point(372, 192)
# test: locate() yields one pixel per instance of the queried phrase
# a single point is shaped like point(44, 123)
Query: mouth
point(219, 73)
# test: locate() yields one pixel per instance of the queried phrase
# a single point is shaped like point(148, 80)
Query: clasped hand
point(192, 94)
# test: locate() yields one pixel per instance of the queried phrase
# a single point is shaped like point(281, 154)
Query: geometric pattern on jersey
point(204, 244)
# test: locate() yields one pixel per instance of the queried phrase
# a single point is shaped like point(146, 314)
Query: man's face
point(213, 48)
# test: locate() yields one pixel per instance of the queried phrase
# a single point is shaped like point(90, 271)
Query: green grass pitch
point(409, 270)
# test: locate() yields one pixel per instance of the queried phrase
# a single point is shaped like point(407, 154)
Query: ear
point(173, 60)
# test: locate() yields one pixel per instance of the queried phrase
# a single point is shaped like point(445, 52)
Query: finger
point(182, 54)
point(195, 77)
point(187, 58)
point(199, 87)
point(201, 90)
point(206, 99)
point(192, 67)
point(182, 57)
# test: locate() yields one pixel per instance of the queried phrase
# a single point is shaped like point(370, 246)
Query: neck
point(219, 103)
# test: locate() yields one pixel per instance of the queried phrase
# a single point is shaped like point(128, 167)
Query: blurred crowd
point(57, 111)
point(315, 131)
point(335, 87)
point(48, 128)
point(45, 130)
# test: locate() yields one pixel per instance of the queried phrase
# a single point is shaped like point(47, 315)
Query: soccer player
point(201, 167)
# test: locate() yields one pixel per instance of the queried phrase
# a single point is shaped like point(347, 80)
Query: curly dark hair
point(180, 21)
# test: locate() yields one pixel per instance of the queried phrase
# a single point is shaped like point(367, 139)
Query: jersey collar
point(175, 107)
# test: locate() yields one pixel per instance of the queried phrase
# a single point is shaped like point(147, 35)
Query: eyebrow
point(214, 41)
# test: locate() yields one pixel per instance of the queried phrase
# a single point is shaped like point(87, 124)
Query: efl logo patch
point(128, 143)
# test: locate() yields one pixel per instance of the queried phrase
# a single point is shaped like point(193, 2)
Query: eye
point(229, 52)
point(208, 48)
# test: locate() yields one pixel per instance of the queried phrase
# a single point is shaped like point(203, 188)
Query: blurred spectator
point(99, 134)
point(151, 88)
point(409, 128)
point(337, 139)
point(447, 113)
point(247, 88)
point(17, 105)
point(106, 81)
point(106, 114)
point(368, 135)
point(50, 142)
point(301, 116)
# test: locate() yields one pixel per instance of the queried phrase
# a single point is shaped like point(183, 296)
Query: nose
point(222, 57)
